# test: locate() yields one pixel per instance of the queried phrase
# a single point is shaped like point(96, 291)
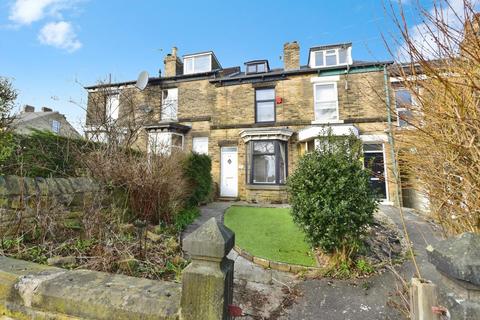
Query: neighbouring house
point(46, 119)
point(256, 121)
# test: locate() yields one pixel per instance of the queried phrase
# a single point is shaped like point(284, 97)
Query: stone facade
point(220, 107)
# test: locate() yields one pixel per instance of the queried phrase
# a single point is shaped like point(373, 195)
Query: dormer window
point(330, 56)
point(257, 66)
point(199, 63)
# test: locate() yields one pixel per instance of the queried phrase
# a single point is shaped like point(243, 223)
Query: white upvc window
point(113, 106)
point(200, 145)
point(197, 63)
point(56, 126)
point(169, 104)
point(331, 57)
point(326, 101)
point(164, 142)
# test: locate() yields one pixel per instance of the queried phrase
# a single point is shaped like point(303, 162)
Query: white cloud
point(24, 12)
point(60, 35)
point(422, 34)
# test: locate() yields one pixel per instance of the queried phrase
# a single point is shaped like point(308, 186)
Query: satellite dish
point(142, 80)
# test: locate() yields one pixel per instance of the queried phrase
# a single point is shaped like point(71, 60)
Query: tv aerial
point(142, 80)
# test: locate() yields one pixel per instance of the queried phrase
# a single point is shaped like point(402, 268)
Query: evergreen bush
point(330, 195)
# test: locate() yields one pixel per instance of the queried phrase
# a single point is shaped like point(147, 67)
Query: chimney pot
point(174, 51)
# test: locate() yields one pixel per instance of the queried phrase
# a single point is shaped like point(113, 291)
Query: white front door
point(229, 172)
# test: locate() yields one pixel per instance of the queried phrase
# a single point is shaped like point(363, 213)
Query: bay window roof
point(200, 63)
point(330, 55)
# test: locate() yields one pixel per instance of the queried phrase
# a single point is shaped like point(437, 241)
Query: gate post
point(207, 283)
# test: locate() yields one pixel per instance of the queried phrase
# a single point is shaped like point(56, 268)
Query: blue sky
point(50, 48)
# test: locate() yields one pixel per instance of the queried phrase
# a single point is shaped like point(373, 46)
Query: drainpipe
point(390, 135)
point(396, 173)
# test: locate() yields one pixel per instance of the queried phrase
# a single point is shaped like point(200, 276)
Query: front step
point(228, 199)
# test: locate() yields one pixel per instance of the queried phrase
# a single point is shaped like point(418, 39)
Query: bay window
point(266, 162)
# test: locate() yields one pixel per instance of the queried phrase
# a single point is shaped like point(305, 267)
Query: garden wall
point(22, 198)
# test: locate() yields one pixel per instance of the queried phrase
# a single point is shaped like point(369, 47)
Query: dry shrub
point(155, 186)
point(442, 150)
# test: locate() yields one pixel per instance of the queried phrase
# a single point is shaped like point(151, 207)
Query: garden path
point(259, 291)
point(367, 298)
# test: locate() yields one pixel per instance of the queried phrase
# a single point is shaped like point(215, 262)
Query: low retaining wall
point(21, 198)
point(32, 291)
point(269, 264)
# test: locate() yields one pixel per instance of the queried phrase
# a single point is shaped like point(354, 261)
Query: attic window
point(257, 67)
point(197, 63)
point(332, 56)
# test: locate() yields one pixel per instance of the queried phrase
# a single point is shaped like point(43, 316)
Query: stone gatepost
point(207, 283)
point(458, 261)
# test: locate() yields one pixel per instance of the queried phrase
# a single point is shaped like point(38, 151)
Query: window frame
point(403, 109)
point(315, 84)
point(56, 125)
point(109, 112)
point(269, 100)
point(337, 57)
point(264, 64)
point(250, 160)
point(197, 138)
point(193, 57)
point(163, 115)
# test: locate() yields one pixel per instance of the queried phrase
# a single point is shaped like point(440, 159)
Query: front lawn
point(269, 233)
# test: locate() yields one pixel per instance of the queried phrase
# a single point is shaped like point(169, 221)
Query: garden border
point(275, 265)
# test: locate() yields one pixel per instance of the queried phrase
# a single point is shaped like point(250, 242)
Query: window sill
point(278, 187)
point(327, 122)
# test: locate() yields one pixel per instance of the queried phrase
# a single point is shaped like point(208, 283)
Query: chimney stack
point(173, 64)
point(45, 109)
point(291, 56)
point(28, 108)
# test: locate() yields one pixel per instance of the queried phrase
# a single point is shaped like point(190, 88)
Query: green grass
point(269, 233)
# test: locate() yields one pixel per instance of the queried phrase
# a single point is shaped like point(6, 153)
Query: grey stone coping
point(458, 257)
point(275, 265)
point(34, 290)
point(211, 240)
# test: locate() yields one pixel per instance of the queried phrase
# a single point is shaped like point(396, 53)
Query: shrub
point(42, 154)
point(331, 197)
point(155, 186)
point(198, 171)
point(186, 217)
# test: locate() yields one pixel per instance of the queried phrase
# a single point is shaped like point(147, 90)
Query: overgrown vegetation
point(94, 238)
point(8, 95)
point(331, 198)
point(43, 154)
point(441, 153)
point(132, 226)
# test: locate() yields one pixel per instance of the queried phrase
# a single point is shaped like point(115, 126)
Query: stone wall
point(22, 198)
point(32, 291)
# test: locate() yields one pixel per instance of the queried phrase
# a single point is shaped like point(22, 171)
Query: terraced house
point(256, 121)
